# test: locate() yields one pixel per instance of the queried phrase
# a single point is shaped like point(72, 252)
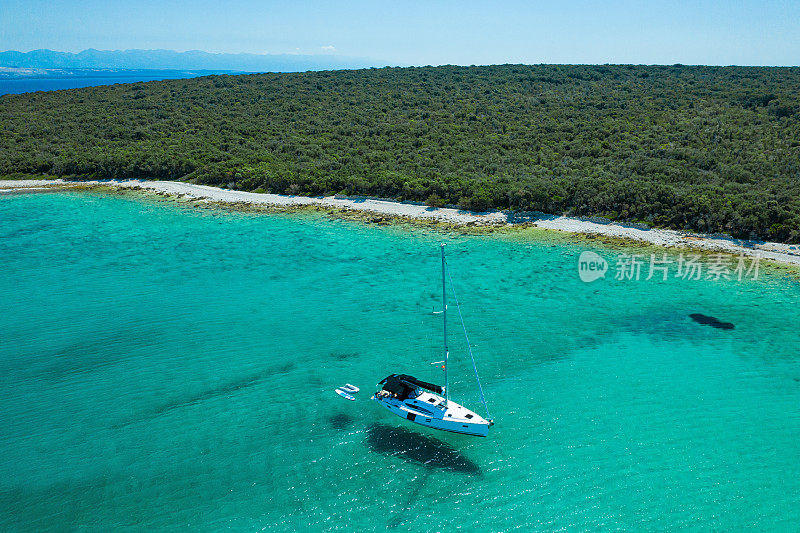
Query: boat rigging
point(422, 402)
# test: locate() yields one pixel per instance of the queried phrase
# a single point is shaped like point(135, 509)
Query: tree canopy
point(713, 149)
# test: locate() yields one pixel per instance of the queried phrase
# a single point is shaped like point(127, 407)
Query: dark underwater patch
point(343, 356)
point(406, 510)
point(340, 421)
point(223, 390)
point(85, 356)
point(710, 321)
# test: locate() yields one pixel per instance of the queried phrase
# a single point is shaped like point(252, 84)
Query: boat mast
point(444, 314)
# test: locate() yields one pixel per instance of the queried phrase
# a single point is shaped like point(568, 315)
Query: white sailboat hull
point(419, 401)
point(431, 410)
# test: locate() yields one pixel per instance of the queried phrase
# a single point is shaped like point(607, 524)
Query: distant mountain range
point(170, 59)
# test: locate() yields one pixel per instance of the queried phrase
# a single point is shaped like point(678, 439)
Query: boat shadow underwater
point(419, 449)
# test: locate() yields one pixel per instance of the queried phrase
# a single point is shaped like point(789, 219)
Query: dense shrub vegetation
point(703, 148)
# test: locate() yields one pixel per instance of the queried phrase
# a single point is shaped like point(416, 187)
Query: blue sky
point(422, 33)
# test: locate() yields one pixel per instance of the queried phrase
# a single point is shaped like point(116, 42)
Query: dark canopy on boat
point(402, 384)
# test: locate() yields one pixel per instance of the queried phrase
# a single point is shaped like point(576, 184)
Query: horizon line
point(382, 64)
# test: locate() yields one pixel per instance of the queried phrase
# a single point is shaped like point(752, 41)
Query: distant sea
point(75, 78)
point(164, 367)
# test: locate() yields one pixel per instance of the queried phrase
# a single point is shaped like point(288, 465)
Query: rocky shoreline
point(779, 252)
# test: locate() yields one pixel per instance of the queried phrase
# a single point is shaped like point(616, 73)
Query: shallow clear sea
point(167, 367)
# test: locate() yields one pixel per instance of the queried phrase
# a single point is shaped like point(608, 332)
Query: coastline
point(778, 252)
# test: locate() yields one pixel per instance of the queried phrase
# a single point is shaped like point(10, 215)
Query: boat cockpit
point(403, 387)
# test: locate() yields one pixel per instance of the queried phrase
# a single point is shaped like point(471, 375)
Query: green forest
point(709, 149)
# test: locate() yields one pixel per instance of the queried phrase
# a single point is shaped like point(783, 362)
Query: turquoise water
point(165, 367)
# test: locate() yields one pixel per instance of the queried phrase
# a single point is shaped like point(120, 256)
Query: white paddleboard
point(343, 394)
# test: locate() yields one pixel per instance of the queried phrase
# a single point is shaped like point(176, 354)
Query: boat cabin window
point(432, 400)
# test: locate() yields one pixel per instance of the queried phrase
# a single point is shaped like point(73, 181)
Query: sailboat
point(422, 402)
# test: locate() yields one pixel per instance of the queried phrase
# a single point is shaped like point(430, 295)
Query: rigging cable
point(469, 346)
